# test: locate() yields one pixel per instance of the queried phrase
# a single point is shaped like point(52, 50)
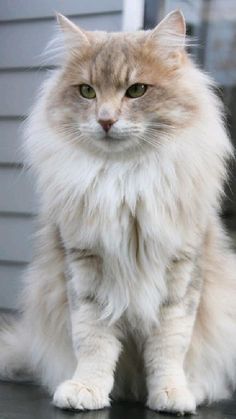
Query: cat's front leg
point(165, 352)
point(95, 343)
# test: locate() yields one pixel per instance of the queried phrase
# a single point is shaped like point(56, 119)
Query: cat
point(131, 291)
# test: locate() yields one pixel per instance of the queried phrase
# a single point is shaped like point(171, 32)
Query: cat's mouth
point(109, 137)
point(113, 142)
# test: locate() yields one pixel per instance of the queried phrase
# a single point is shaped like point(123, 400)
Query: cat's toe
point(74, 395)
point(174, 400)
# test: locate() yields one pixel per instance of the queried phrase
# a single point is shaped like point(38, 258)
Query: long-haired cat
point(131, 292)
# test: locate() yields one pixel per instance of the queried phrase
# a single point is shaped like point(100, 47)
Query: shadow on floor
point(26, 401)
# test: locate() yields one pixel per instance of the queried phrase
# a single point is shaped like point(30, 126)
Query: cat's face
point(122, 91)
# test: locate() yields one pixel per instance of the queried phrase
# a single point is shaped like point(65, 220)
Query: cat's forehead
point(112, 62)
point(114, 58)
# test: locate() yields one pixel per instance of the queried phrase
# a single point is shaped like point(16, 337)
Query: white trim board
point(133, 15)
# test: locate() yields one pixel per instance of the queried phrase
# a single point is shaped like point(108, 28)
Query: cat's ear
point(170, 35)
point(172, 24)
point(70, 31)
point(68, 40)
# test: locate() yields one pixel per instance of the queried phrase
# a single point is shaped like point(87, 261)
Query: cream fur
point(131, 265)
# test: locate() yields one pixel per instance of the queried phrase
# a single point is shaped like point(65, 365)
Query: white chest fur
point(122, 217)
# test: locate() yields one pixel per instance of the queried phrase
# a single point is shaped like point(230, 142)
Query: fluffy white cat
point(131, 292)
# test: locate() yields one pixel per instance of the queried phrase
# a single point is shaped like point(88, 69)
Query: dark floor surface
point(25, 401)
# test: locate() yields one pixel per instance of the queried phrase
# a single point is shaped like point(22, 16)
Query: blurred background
point(26, 26)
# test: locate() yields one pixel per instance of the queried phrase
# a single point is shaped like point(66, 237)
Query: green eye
point(136, 90)
point(87, 91)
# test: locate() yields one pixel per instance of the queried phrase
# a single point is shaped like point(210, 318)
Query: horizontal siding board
point(10, 284)
point(36, 35)
point(18, 90)
point(11, 141)
point(17, 191)
point(28, 9)
point(16, 238)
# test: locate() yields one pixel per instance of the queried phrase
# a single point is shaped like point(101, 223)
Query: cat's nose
point(106, 123)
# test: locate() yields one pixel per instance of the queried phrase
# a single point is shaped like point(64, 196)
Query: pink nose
point(106, 123)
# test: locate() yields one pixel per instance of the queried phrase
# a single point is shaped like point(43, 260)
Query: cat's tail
point(14, 361)
point(211, 361)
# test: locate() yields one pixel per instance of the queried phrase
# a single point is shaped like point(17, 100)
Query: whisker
point(155, 145)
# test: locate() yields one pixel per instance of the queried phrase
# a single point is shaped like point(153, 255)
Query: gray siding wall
point(25, 28)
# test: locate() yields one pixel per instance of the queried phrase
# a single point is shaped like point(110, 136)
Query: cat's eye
point(87, 91)
point(136, 90)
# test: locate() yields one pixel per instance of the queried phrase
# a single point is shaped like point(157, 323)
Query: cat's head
point(122, 91)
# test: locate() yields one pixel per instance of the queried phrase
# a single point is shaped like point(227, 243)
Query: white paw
point(74, 395)
point(174, 400)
